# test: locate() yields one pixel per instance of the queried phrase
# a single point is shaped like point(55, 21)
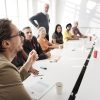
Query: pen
point(43, 68)
point(38, 75)
point(55, 60)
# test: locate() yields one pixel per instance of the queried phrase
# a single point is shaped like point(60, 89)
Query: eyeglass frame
point(15, 35)
point(18, 34)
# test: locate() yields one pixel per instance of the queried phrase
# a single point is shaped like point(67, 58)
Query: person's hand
point(48, 54)
point(61, 46)
point(85, 36)
point(33, 71)
point(76, 38)
point(33, 56)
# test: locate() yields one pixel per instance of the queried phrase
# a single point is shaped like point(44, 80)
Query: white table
point(66, 70)
point(90, 86)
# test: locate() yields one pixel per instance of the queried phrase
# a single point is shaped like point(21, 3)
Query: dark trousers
point(47, 37)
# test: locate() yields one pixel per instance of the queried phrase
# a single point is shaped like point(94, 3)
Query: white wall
point(87, 12)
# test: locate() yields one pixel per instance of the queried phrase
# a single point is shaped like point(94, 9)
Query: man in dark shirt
point(31, 43)
point(42, 19)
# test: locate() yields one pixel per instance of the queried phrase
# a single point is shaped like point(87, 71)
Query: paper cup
point(59, 88)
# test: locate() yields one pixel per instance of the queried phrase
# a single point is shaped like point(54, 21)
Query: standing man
point(42, 19)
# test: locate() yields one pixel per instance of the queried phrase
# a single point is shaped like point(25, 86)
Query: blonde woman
point(45, 44)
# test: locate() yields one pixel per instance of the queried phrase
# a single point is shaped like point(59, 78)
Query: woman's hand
point(48, 54)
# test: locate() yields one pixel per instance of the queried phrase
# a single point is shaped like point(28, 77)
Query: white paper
point(38, 89)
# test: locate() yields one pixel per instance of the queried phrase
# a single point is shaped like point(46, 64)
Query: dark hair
point(69, 24)
point(5, 31)
point(26, 27)
point(21, 34)
point(57, 27)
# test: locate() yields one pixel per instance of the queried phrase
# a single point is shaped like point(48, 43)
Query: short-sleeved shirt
point(67, 35)
point(58, 37)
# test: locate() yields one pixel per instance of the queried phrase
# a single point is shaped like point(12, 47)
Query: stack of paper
point(38, 89)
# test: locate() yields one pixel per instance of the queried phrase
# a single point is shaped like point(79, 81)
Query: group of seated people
point(71, 33)
point(41, 45)
point(23, 49)
point(29, 42)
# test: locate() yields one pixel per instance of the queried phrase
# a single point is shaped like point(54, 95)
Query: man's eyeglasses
point(15, 35)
